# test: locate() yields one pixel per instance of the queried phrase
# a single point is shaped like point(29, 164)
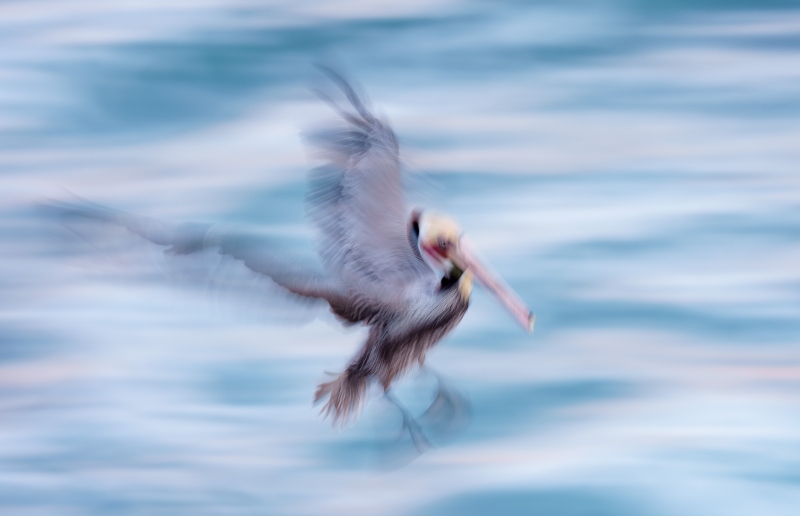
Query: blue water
point(629, 167)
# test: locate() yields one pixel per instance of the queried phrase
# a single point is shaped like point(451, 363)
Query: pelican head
point(438, 238)
point(443, 245)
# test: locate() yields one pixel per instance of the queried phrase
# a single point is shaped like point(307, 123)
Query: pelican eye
point(443, 243)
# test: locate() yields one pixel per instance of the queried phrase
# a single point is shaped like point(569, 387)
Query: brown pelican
point(405, 274)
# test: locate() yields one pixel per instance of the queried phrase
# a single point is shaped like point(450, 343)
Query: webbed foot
point(410, 425)
point(450, 411)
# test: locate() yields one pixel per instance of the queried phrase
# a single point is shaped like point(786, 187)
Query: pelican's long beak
point(495, 285)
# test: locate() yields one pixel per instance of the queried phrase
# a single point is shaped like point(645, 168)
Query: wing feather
point(356, 200)
point(190, 237)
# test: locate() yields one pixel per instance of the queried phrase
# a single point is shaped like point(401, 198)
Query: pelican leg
point(450, 410)
point(421, 442)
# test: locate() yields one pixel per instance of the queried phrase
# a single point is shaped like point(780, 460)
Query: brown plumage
point(408, 277)
point(393, 346)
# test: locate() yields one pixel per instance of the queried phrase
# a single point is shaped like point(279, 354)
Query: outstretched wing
point(190, 238)
point(356, 200)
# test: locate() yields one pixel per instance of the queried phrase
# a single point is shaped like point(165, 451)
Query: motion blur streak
point(406, 276)
point(629, 167)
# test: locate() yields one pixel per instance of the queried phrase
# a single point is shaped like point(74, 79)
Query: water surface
point(629, 167)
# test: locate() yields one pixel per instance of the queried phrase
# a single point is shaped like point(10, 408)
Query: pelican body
point(399, 339)
point(406, 274)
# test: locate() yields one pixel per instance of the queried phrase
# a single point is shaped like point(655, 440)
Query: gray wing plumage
point(370, 266)
point(356, 200)
point(189, 237)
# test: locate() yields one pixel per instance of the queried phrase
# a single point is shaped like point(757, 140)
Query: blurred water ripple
point(628, 166)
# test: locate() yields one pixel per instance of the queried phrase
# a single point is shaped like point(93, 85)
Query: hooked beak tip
point(531, 321)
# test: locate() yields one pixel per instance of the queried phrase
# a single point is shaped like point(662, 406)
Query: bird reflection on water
point(408, 278)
